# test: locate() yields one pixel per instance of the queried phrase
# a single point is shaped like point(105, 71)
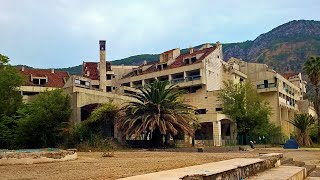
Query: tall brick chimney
point(102, 66)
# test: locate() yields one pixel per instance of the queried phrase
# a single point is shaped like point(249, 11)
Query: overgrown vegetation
point(246, 107)
point(33, 125)
point(304, 123)
point(312, 69)
point(94, 132)
point(158, 112)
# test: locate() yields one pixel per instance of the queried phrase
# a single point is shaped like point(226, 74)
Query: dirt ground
point(123, 164)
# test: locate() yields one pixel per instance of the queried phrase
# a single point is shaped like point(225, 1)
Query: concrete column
point(170, 77)
point(103, 66)
point(217, 133)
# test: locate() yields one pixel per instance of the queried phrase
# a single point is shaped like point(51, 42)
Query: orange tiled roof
point(92, 67)
point(56, 79)
point(287, 75)
point(179, 62)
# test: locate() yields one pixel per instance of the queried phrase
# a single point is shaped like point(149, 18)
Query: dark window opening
point(165, 66)
point(201, 111)
point(159, 67)
point(266, 83)
point(241, 79)
point(39, 81)
point(193, 60)
point(29, 93)
point(82, 83)
point(205, 132)
point(186, 61)
point(109, 76)
point(126, 84)
point(109, 88)
point(218, 109)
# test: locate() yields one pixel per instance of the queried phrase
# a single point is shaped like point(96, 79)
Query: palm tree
point(312, 69)
point(159, 111)
point(304, 123)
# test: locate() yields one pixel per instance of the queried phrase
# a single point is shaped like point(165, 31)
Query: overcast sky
point(63, 33)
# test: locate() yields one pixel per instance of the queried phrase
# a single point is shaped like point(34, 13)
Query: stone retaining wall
point(7, 158)
point(238, 173)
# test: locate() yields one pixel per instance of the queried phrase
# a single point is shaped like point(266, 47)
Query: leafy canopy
point(41, 121)
point(10, 80)
point(312, 69)
point(246, 107)
point(158, 106)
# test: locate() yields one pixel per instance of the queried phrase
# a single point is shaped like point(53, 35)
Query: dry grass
point(123, 164)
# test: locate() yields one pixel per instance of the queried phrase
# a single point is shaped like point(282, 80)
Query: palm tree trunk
point(316, 107)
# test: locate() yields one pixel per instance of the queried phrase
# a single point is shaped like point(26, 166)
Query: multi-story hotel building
point(201, 72)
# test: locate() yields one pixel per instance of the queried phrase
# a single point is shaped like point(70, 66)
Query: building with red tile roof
point(40, 80)
point(44, 77)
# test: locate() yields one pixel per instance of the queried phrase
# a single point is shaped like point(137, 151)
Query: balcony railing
point(264, 86)
point(189, 78)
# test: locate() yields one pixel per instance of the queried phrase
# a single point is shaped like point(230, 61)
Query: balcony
point(187, 81)
point(267, 87)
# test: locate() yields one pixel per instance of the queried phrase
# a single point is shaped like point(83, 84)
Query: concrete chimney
point(145, 62)
point(102, 65)
point(191, 50)
point(52, 70)
point(22, 68)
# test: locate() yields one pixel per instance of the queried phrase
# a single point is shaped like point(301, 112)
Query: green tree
point(246, 107)
point(312, 69)
point(304, 123)
point(102, 119)
point(40, 122)
point(10, 100)
point(10, 80)
point(159, 111)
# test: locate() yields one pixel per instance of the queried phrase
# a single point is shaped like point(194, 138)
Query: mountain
point(284, 48)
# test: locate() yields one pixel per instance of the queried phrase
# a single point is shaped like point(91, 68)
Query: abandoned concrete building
point(199, 71)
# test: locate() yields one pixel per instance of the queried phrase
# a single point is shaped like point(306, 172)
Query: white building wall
point(213, 70)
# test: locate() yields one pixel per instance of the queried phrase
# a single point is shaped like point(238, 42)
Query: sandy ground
point(94, 166)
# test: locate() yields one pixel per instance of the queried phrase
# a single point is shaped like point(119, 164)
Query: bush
point(40, 122)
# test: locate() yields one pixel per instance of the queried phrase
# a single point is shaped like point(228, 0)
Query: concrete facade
point(201, 72)
point(284, 92)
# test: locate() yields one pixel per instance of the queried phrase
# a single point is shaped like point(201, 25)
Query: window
point(241, 79)
point(186, 61)
point(159, 67)
point(266, 83)
point(201, 111)
point(218, 109)
point(218, 56)
point(77, 81)
point(109, 88)
point(109, 76)
point(165, 66)
point(193, 60)
point(38, 81)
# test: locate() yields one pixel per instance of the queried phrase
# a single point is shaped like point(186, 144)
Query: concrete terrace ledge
point(223, 170)
point(33, 156)
point(282, 173)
